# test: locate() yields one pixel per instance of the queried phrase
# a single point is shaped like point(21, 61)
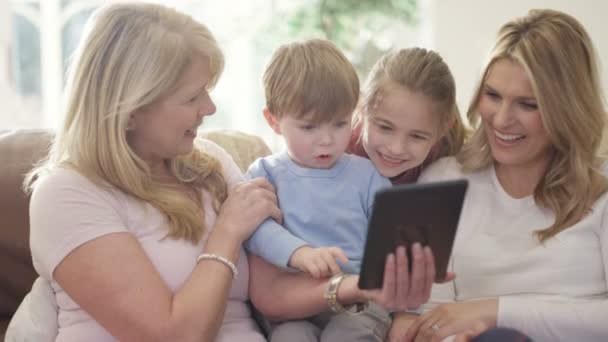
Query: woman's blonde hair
point(559, 58)
point(131, 56)
point(417, 70)
point(311, 76)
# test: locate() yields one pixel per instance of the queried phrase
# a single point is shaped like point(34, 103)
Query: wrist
point(405, 316)
point(349, 293)
point(492, 315)
point(227, 233)
point(224, 261)
point(223, 243)
point(294, 259)
point(331, 295)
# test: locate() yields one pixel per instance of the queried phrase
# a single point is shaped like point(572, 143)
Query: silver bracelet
point(228, 263)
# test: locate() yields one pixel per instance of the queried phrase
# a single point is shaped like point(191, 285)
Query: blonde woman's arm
point(281, 295)
point(109, 275)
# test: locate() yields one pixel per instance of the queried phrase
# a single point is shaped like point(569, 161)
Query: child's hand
point(318, 262)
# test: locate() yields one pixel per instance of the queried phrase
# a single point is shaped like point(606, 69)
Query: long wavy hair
point(417, 70)
point(559, 58)
point(131, 56)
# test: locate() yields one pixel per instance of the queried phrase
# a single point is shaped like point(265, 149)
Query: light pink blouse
point(67, 210)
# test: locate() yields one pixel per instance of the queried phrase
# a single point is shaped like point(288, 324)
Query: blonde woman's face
point(400, 132)
point(511, 118)
point(168, 128)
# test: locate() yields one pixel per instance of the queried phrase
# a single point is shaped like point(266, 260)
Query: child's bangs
point(326, 103)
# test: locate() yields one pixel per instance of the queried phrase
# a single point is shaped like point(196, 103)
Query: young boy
point(325, 195)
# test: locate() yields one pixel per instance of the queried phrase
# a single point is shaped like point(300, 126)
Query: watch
point(331, 295)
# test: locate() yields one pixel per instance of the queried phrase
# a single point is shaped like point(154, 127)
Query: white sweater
point(556, 291)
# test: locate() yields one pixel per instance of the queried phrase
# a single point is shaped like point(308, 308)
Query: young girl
point(408, 117)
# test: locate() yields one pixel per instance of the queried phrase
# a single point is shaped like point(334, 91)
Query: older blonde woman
point(116, 220)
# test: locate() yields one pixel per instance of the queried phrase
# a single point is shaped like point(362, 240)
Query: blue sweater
point(321, 207)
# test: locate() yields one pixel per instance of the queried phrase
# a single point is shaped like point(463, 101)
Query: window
point(37, 38)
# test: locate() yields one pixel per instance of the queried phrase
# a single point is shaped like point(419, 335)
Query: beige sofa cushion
point(244, 148)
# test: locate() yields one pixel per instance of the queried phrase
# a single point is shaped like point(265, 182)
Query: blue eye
point(419, 137)
point(529, 106)
point(384, 127)
point(340, 124)
point(492, 95)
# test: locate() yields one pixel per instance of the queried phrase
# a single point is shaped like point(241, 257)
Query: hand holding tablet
point(405, 214)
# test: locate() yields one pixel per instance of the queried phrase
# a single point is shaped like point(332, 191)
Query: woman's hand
point(401, 290)
point(453, 319)
point(248, 204)
point(477, 329)
point(401, 322)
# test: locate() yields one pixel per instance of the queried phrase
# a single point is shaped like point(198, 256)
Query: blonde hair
point(559, 58)
point(417, 70)
point(133, 55)
point(312, 76)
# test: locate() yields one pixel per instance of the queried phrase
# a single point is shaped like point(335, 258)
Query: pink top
point(67, 210)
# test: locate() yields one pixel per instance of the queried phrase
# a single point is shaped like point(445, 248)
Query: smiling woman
point(512, 121)
point(177, 115)
point(531, 248)
point(124, 182)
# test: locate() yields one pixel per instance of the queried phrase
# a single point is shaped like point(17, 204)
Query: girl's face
point(511, 118)
point(400, 131)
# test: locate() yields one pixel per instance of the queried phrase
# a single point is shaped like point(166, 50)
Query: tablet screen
point(402, 215)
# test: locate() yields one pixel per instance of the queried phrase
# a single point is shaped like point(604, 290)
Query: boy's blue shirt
point(321, 207)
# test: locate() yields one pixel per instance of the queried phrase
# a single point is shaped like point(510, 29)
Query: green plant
point(341, 20)
point(353, 25)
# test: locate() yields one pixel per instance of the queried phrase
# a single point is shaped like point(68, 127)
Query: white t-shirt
point(67, 210)
point(555, 291)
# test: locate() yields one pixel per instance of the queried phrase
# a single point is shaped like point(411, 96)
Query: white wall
point(463, 31)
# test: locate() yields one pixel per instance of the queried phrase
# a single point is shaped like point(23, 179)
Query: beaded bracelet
point(221, 259)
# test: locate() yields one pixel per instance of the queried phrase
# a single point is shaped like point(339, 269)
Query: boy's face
point(310, 144)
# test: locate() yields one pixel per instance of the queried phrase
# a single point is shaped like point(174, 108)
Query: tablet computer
point(402, 215)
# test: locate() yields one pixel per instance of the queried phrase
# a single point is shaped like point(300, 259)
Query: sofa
point(19, 151)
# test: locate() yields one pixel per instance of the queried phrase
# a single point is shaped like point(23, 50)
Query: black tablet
point(402, 215)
